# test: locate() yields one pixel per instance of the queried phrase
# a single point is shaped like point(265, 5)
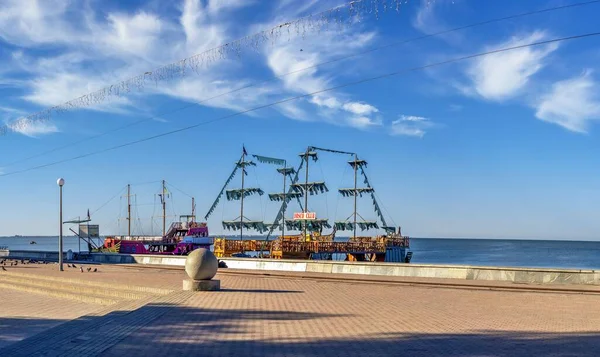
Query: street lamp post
point(60, 183)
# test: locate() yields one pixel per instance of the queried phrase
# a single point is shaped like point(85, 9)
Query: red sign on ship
point(305, 215)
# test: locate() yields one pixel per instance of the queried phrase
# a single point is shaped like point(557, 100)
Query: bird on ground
point(88, 269)
point(68, 265)
point(95, 270)
point(81, 268)
point(74, 266)
point(3, 268)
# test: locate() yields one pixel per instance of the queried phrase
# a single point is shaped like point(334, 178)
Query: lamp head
point(60, 181)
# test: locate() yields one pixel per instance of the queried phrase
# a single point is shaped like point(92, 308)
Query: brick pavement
point(265, 316)
point(23, 315)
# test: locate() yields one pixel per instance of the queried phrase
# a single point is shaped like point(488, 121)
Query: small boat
point(33, 242)
point(181, 239)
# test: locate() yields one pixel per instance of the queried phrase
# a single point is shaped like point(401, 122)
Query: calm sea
point(490, 252)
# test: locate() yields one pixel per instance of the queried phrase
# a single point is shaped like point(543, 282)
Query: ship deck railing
point(225, 247)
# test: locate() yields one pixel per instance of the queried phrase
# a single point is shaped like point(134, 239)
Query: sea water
point(484, 252)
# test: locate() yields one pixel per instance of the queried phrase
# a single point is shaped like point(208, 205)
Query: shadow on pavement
point(263, 291)
point(175, 330)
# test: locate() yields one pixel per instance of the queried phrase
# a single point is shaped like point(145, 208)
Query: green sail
point(311, 154)
point(314, 188)
point(269, 160)
point(357, 163)
point(350, 192)
point(259, 226)
point(278, 197)
point(289, 171)
point(236, 194)
point(245, 163)
point(363, 225)
point(311, 225)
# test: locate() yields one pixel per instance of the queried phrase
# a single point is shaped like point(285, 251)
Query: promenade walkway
point(258, 315)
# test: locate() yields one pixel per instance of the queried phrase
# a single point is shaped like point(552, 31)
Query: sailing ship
point(311, 243)
point(181, 238)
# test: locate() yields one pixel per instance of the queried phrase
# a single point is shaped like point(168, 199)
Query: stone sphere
point(201, 264)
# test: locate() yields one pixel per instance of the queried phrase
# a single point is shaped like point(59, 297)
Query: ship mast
point(306, 191)
point(284, 177)
point(298, 189)
point(355, 191)
point(128, 210)
point(351, 222)
point(283, 196)
point(243, 162)
point(164, 202)
point(239, 194)
point(193, 210)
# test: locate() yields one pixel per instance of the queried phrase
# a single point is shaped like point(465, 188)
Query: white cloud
point(572, 103)
point(200, 32)
point(217, 6)
point(360, 122)
point(33, 128)
point(425, 19)
point(27, 23)
point(285, 61)
point(197, 89)
point(359, 108)
point(410, 125)
point(133, 34)
point(429, 19)
point(11, 110)
point(97, 49)
point(503, 75)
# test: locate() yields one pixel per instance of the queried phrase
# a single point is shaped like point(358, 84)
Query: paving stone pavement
point(277, 316)
point(23, 315)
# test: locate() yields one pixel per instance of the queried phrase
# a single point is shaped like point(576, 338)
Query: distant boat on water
point(33, 242)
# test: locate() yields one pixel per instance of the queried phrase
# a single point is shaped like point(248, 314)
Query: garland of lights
point(336, 18)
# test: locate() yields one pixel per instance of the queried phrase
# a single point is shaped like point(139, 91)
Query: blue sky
point(502, 146)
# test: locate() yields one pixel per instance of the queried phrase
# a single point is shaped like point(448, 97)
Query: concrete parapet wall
point(464, 272)
point(27, 254)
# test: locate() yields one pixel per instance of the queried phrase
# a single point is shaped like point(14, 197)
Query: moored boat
point(195, 235)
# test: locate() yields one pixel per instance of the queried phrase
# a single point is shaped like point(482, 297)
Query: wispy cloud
point(571, 103)
point(429, 19)
point(501, 76)
point(10, 110)
point(455, 107)
point(33, 129)
point(425, 20)
point(335, 108)
point(94, 50)
point(410, 125)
